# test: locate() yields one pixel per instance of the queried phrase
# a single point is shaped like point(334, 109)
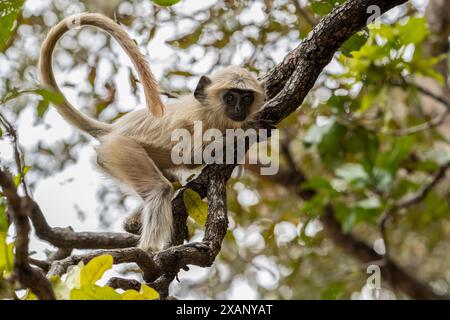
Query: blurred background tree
point(373, 132)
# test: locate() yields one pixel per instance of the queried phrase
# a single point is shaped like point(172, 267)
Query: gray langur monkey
point(136, 149)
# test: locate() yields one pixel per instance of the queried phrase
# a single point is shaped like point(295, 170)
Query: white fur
point(157, 221)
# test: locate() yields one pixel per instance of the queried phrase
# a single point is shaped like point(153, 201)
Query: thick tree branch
point(201, 254)
point(18, 208)
point(128, 255)
point(315, 52)
point(67, 238)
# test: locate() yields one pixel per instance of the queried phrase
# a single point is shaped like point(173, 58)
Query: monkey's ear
point(200, 93)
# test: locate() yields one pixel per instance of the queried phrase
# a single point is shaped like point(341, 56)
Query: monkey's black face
point(238, 103)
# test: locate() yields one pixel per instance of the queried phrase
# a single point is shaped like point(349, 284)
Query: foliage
point(9, 11)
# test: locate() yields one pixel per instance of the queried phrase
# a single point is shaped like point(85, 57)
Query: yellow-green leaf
point(145, 293)
point(4, 225)
point(195, 206)
point(148, 293)
point(62, 291)
point(177, 185)
point(29, 295)
point(6, 254)
point(73, 276)
point(93, 292)
point(95, 269)
point(132, 295)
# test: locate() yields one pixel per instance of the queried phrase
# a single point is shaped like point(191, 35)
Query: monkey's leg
point(132, 223)
point(127, 161)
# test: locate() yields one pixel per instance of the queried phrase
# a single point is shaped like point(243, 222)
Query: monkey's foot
point(132, 223)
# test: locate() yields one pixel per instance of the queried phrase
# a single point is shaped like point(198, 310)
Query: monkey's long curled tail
point(68, 112)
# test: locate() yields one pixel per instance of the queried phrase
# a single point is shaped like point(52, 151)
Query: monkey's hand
point(257, 124)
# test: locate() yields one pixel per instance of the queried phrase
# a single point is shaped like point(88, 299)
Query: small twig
point(435, 122)
point(124, 284)
point(18, 155)
point(418, 197)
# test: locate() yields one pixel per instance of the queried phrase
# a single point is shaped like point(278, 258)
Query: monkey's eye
point(247, 99)
point(229, 99)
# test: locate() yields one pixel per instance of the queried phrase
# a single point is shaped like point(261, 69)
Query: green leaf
point(331, 147)
point(355, 43)
point(165, 3)
point(195, 206)
point(399, 150)
point(188, 40)
point(42, 108)
point(334, 291)
point(18, 178)
point(4, 225)
point(95, 269)
point(9, 10)
point(93, 292)
point(414, 31)
point(49, 95)
point(321, 7)
point(317, 183)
